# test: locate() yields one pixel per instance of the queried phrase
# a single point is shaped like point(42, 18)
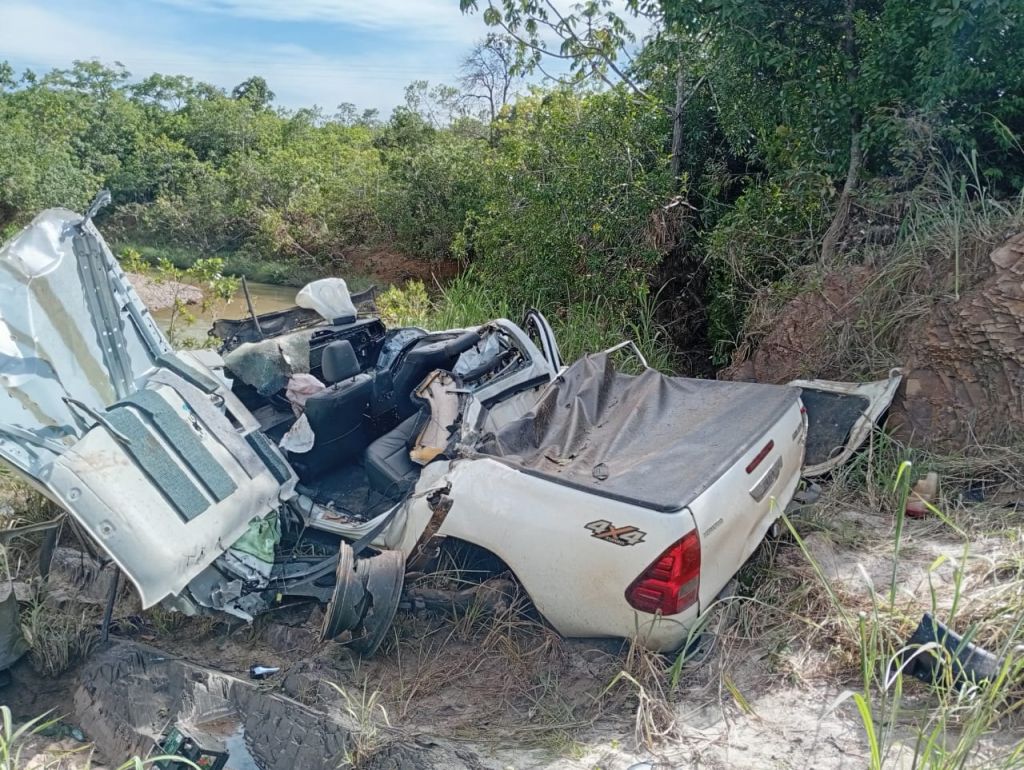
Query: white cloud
point(414, 39)
point(42, 38)
point(434, 19)
point(440, 19)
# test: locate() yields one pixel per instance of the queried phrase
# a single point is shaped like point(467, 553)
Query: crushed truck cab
point(320, 455)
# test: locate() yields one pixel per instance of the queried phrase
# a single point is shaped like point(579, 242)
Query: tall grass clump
point(962, 564)
point(589, 324)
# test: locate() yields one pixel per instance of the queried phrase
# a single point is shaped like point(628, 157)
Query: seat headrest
point(339, 362)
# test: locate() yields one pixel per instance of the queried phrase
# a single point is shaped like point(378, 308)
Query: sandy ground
point(161, 294)
point(519, 697)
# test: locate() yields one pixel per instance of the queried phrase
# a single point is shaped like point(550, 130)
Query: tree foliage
point(698, 164)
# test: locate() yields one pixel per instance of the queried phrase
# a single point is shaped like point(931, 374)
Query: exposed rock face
point(966, 381)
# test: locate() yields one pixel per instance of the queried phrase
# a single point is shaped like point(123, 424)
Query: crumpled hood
point(54, 345)
point(156, 458)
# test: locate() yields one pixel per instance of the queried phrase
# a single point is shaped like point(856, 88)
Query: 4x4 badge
point(605, 530)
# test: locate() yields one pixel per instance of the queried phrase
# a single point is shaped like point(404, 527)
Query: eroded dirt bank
point(957, 330)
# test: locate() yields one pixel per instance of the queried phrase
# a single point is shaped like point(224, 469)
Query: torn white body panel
point(539, 528)
point(851, 426)
point(102, 416)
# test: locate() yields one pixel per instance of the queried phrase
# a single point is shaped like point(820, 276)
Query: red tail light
point(670, 585)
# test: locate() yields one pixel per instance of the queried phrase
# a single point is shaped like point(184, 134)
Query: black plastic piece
point(270, 456)
point(969, 662)
point(337, 418)
point(830, 418)
point(389, 469)
point(108, 611)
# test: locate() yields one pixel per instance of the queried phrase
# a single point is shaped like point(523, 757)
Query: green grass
point(800, 608)
point(59, 637)
point(587, 325)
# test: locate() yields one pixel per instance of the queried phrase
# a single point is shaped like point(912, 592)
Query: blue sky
point(310, 51)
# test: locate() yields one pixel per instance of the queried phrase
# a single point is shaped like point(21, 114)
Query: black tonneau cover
point(650, 440)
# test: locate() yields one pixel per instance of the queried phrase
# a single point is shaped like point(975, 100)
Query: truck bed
point(649, 439)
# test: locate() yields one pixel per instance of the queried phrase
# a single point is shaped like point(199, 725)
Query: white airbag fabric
point(329, 297)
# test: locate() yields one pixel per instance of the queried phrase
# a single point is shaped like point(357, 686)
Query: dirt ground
point(159, 295)
point(961, 345)
point(783, 726)
point(386, 267)
point(481, 691)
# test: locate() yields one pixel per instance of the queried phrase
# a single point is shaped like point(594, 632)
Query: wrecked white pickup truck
point(622, 504)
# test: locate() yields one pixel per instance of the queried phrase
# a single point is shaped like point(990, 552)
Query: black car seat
point(336, 414)
point(388, 467)
point(424, 356)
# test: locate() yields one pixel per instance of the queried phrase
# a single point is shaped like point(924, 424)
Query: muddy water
point(266, 298)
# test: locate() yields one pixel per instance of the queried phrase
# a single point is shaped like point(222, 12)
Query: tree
point(823, 85)
point(255, 91)
point(7, 81)
point(347, 114)
point(593, 40)
point(439, 106)
point(488, 74)
point(370, 117)
point(165, 91)
point(89, 77)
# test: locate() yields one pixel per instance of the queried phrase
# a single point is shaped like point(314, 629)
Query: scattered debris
point(62, 729)
point(936, 655)
point(924, 494)
point(257, 671)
